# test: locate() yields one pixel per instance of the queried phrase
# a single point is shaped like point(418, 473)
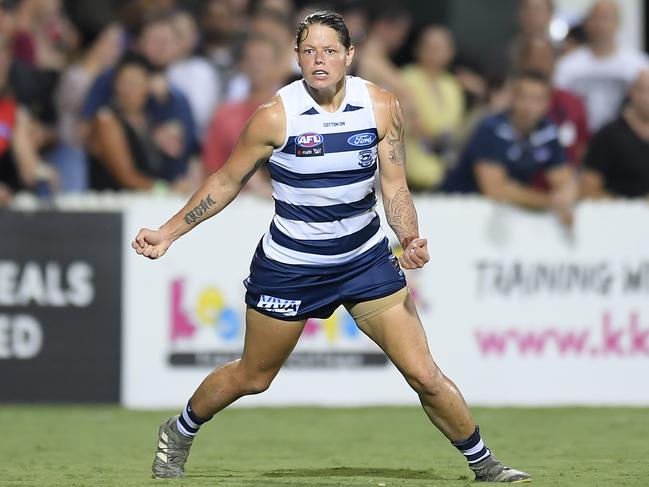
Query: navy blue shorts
point(297, 292)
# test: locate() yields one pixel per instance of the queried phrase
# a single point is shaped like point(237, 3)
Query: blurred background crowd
point(150, 95)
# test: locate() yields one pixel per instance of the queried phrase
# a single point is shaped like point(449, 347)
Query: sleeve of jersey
point(484, 145)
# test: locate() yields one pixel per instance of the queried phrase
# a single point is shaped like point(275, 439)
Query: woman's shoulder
point(268, 122)
point(108, 117)
point(106, 114)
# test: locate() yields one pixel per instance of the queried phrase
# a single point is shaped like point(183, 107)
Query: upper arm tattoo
point(252, 171)
point(395, 135)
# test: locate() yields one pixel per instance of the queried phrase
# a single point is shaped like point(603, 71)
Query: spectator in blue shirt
point(509, 151)
point(156, 42)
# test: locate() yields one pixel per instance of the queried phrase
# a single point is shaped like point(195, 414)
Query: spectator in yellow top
point(440, 107)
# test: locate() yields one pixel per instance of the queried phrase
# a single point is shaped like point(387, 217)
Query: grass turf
point(369, 447)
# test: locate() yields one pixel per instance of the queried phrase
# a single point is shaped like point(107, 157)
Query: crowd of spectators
point(154, 99)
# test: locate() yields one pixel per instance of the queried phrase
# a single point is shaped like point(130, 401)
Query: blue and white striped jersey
point(323, 180)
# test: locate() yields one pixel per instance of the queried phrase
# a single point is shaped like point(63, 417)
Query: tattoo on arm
point(197, 214)
point(401, 215)
point(395, 135)
point(201, 209)
point(252, 171)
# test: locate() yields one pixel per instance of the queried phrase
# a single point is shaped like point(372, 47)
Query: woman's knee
point(428, 381)
point(254, 381)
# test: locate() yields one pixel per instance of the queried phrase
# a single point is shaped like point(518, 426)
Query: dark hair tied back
point(327, 18)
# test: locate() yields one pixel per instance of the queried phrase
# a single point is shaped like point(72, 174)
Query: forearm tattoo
point(201, 209)
point(401, 215)
point(252, 171)
point(395, 135)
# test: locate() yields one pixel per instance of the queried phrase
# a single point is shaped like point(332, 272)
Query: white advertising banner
point(520, 311)
point(517, 310)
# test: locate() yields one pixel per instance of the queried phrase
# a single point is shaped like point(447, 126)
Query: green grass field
point(370, 447)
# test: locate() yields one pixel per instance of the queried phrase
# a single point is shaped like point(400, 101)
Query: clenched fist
point(415, 255)
point(151, 243)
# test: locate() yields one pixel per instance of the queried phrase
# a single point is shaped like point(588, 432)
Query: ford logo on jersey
point(360, 140)
point(308, 139)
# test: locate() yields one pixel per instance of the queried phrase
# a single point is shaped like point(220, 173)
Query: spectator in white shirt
point(193, 75)
point(601, 72)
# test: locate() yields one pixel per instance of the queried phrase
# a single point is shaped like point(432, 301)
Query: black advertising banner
point(60, 306)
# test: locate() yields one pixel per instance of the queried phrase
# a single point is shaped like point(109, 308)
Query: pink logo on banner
point(181, 326)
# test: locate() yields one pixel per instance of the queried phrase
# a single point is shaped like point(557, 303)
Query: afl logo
point(308, 139)
point(363, 139)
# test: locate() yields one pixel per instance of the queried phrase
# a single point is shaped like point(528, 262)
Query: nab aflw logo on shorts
point(284, 307)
